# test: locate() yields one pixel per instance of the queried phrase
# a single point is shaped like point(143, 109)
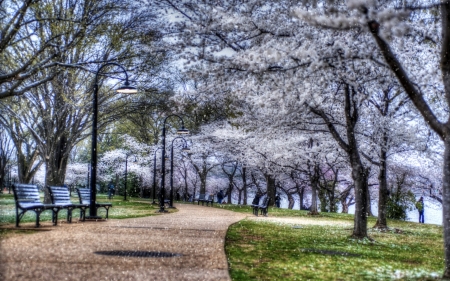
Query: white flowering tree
point(136, 155)
point(280, 61)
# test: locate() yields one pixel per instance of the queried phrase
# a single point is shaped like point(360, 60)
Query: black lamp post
point(182, 131)
point(154, 176)
point(125, 89)
point(89, 168)
point(185, 148)
point(9, 178)
point(126, 175)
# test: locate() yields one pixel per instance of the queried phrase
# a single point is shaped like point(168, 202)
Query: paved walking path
point(67, 252)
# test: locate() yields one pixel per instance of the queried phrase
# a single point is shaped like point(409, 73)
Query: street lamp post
point(126, 175)
point(185, 148)
point(182, 131)
point(126, 180)
point(126, 89)
point(154, 176)
point(89, 168)
point(9, 178)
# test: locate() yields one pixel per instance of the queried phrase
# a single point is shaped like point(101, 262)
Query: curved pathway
point(67, 252)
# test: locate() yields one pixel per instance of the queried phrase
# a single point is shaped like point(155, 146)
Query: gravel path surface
point(67, 252)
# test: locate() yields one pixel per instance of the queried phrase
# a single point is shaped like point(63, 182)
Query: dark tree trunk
point(360, 178)
point(239, 196)
point(446, 205)
point(383, 188)
point(230, 189)
point(345, 201)
point(244, 184)
point(369, 203)
point(27, 166)
point(202, 172)
point(291, 201)
point(301, 194)
point(314, 180)
point(271, 189)
point(203, 185)
point(323, 200)
point(56, 166)
point(344, 206)
point(359, 172)
point(116, 185)
point(185, 188)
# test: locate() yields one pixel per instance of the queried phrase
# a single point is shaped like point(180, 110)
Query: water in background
point(432, 213)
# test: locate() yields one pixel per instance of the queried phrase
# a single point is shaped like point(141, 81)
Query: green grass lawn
point(259, 250)
point(132, 208)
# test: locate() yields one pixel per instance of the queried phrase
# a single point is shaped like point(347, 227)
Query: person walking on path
point(420, 208)
point(110, 190)
point(278, 200)
point(255, 203)
point(220, 197)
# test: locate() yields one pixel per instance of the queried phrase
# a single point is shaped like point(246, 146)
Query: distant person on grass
point(278, 200)
point(111, 190)
point(420, 208)
point(256, 199)
point(220, 197)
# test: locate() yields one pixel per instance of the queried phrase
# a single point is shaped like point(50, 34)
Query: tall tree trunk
point(359, 172)
point(369, 203)
point(323, 200)
point(383, 188)
point(27, 166)
point(343, 198)
point(314, 180)
point(186, 197)
point(56, 166)
point(202, 184)
point(360, 178)
point(314, 210)
point(239, 196)
point(301, 194)
point(244, 184)
point(344, 206)
point(230, 189)
point(270, 180)
point(446, 205)
point(291, 201)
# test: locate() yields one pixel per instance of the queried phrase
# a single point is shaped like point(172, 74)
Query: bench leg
point(107, 211)
point(83, 214)
point(55, 216)
point(38, 216)
point(17, 217)
point(69, 215)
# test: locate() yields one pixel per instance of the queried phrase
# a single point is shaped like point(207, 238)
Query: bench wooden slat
point(60, 196)
point(26, 197)
point(84, 195)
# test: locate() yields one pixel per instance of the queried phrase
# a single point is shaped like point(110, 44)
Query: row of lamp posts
point(127, 89)
point(181, 131)
point(184, 148)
